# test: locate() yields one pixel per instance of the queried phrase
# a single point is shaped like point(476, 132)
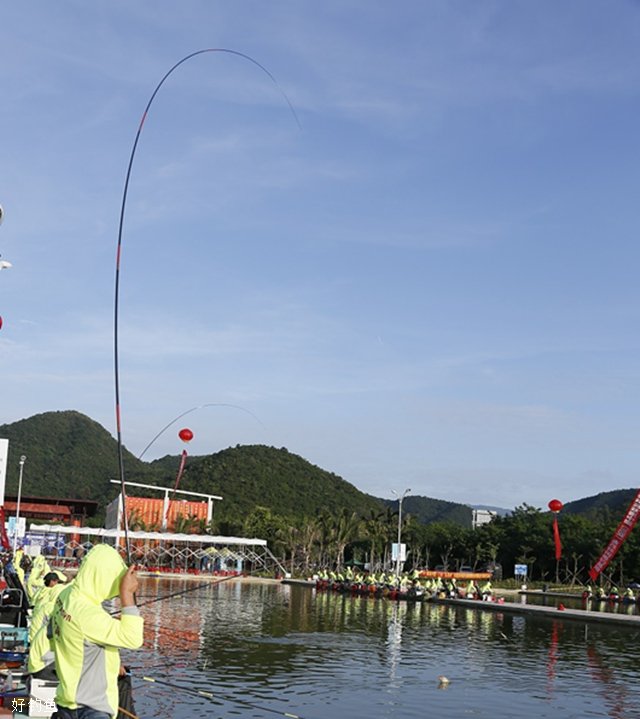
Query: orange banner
point(428, 574)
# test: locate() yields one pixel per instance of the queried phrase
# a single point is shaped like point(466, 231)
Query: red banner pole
point(183, 460)
point(618, 539)
point(556, 537)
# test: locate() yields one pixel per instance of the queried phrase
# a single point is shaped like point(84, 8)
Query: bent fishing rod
point(116, 304)
point(176, 594)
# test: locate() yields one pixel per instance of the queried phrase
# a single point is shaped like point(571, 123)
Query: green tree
point(261, 523)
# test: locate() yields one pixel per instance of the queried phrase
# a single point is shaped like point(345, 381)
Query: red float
point(186, 435)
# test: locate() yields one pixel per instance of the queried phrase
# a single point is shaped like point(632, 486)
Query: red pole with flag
point(186, 435)
point(555, 505)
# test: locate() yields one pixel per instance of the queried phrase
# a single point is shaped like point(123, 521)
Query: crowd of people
point(409, 584)
point(611, 593)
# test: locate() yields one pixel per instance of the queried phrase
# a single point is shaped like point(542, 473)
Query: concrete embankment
point(549, 595)
point(581, 615)
point(300, 582)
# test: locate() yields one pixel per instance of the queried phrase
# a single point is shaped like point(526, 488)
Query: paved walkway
point(582, 615)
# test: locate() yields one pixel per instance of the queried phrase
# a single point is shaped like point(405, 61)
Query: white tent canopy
point(159, 536)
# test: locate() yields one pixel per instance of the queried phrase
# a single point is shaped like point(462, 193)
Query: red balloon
point(555, 505)
point(186, 435)
point(0, 323)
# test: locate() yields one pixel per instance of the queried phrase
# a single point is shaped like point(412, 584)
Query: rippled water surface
point(289, 650)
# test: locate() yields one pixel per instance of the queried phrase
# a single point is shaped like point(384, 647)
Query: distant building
point(71, 512)
point(154, 515)
point(159, 515)
point(481, 516)
point(20, 512)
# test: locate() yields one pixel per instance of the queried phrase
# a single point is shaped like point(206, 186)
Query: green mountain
point(604, 505)
point(427, 510)
point(71, 455)
point(68, 455)
point(284, 482)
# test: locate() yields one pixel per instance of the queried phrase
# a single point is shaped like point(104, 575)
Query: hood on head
point(100, 573)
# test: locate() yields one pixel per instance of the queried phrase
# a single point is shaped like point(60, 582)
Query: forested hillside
point(284, 482)
point(602, 505)
point(68, 455)
point(71, 455)
point(426, 510)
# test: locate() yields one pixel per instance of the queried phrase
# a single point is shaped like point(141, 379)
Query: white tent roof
point(158, 536)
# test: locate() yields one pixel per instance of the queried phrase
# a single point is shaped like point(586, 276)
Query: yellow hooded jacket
point(35, 581)
point(39, 644)
point(17, 559)
point(86, 639)
point(43, 607)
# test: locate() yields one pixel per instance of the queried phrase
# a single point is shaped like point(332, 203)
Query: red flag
point(183, 459)
point(556, 537)
point(4, 540)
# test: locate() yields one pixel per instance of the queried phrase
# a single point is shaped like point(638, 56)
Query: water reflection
point(288, 649)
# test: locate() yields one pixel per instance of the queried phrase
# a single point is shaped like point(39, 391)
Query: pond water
point(286, 649)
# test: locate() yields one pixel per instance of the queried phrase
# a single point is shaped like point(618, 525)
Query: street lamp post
point(23, 459)
point(404, 494)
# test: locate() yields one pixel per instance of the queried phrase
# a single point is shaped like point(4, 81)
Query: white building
point(482, 516)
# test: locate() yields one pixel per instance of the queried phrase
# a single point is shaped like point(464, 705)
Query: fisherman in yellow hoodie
point(86, 638)
point(35, 580)
point(17, 562)
point(54, 583)
point(40, 653)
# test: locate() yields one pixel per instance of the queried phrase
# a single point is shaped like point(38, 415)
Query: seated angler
point(54, 583)
point(35, 580)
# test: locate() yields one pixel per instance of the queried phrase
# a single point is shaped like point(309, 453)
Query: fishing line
point(116, 304)
point(193, 409)
point(220, 698)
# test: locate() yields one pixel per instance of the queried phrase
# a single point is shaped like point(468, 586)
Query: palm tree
point(325, 531)
point(345, 531)
point(375, 527)
point(287, 537)
point(390, 528)
point(135, 522)
point(184, 525)
point(309, 536)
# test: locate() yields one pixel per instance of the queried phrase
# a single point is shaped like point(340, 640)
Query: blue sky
point(431, 283)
